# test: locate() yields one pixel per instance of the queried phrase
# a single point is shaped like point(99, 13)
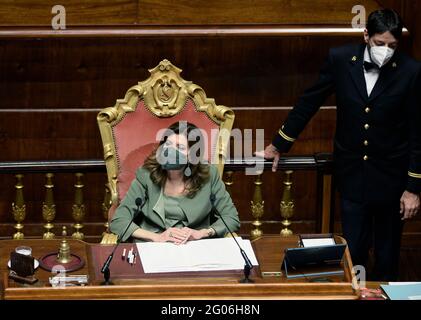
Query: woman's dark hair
point(199, 170)
point(381, 21)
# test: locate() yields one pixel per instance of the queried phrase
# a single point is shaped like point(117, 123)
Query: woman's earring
point(187, 171)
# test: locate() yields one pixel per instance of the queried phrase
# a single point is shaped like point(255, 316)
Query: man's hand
point(270, 153)
point(410, 205)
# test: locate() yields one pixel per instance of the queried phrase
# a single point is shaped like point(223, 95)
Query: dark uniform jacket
point(377, 146)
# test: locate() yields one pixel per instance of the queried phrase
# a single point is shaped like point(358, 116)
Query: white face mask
point(381, 55)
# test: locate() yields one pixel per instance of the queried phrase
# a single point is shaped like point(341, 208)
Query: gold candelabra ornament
point(48, 207)
point(287, 204)
point(19, 208)
point(78, 208)
point(257, 208)
point(63, 255)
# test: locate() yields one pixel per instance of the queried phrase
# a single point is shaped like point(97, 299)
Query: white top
point(371, 76)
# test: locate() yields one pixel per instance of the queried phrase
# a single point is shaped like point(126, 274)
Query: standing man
point(377, 146)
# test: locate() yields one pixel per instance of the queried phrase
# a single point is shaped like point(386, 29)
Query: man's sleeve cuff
point(414, 175)
point(414, 182)
point(285, 136)
point(282, 141)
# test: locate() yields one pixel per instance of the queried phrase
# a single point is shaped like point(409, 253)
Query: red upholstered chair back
point(136, 137)
point(129, 130)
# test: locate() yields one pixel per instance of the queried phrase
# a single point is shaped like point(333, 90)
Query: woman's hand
point(176, 235)
point(195, 234)
point(180, 236)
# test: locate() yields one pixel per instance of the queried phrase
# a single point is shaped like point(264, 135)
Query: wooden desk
point(203, 285)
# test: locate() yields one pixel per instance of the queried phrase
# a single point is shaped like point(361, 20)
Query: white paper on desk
point(200, 255)
point(318, 242)
point(403, 283)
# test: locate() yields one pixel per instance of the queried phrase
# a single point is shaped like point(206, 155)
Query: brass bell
point(63, 255)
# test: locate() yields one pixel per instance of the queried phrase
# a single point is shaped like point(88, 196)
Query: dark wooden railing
point(320, 161)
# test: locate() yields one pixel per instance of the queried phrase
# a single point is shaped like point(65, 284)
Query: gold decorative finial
point(63, 255)
point(257, 208)
point(48, 207)
point(287, 204)
point(19, 208)
point(78, 208)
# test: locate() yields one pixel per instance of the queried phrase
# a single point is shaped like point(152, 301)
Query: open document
point(200, 255)
point(403, 290)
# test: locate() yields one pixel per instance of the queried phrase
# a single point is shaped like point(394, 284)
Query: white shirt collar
point(368, 59)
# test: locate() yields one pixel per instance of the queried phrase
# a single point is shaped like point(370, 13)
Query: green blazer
point(197, 209)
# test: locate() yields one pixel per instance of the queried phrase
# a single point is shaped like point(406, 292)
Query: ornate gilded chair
point(129, 129)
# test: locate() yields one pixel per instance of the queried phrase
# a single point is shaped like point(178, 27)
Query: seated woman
point(176, 186)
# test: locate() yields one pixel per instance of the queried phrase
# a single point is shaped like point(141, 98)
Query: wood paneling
point(248, 11)
point(182, 12)
point(75, 135)
point(83, 73)
point(78, 12)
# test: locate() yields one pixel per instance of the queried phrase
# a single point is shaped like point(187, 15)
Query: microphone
point(105, 270)
point(247, 263)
